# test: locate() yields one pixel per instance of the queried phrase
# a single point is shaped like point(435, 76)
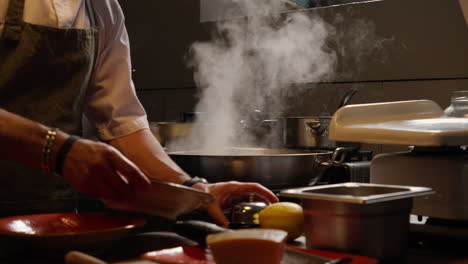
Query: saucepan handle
point(337, 158)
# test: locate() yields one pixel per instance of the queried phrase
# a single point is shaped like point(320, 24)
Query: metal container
point(359, 218)
point(273, 168)
point(243, 215)
point(307, 132)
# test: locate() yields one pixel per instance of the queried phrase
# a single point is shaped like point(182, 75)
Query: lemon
point(285, 216)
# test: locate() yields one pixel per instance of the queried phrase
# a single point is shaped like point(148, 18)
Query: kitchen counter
point(422, 249)
point(428, 250)
point(437, 250)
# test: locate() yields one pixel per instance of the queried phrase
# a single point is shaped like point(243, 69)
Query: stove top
point(437, 227)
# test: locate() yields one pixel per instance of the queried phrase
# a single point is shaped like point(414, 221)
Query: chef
point(64, 77)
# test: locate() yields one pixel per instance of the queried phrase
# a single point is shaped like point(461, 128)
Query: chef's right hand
point(100, 170)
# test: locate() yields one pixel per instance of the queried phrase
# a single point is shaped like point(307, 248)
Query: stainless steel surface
point(444, 171)
point(307, 132)
point(246, 213)
point(273, 168)
point(311, 131)
point(366, 219)
point(359, 193)
point(358, 171)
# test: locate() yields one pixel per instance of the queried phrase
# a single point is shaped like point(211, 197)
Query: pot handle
point(338, 157)
point(315, 128)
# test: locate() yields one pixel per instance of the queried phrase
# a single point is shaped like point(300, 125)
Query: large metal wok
point(273, 168)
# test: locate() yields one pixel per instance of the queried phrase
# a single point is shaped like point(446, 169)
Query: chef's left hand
point(222, 191)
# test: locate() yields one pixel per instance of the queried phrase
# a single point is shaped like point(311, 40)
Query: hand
point(224, 190)
point(100, 170)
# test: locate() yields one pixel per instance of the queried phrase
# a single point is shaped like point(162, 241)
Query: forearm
point(22, 140)
point(145, 151)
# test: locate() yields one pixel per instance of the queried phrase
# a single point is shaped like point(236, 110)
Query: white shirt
point(112, 108)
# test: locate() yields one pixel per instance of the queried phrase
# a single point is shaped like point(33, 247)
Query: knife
point(198, 230)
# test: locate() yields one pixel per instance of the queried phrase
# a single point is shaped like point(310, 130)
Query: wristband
point(194, 181)
point(62, 153)
point(47, 149)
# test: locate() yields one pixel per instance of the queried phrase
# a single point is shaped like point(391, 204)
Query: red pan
point(67, 231)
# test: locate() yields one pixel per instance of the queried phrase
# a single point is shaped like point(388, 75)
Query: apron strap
point(14, 21)
point(91, 13)
point(93, 23)
point(93, 26)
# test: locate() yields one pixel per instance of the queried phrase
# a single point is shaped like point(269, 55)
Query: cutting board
point(196, 255)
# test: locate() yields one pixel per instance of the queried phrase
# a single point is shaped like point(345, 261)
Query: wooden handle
point(76, 257)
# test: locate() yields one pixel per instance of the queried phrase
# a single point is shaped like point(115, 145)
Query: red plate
point(68, 231)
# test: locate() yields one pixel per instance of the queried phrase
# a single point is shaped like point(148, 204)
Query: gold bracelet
point(46, 164)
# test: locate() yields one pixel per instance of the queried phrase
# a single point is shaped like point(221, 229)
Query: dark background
point(427, 57)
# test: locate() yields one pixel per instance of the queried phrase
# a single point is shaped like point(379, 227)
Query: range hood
point(215, 10)
point(426, 41)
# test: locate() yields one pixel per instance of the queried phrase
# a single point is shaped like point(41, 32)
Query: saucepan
point(307, 132)
point(311, 131)
point(273, 168)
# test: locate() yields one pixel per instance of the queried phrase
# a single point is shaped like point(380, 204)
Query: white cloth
point(112, 108)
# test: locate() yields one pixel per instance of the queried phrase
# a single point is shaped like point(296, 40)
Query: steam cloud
point(252, 63)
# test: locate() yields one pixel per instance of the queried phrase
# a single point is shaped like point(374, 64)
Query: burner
point(355, 168)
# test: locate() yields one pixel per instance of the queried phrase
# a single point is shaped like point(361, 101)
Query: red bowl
point(69, 231)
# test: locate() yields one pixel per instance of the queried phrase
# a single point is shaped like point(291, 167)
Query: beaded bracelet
point(46, 165)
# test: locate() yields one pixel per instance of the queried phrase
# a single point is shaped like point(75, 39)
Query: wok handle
point(337, 158)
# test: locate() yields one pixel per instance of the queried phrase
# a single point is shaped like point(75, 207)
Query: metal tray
point(359, 193)
point(361, 218)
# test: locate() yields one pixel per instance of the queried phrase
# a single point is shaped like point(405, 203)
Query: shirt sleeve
point(112, 108)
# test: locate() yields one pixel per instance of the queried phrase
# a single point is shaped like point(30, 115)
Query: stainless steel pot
point(307, 132)
point(273, 168)
point(312, 131)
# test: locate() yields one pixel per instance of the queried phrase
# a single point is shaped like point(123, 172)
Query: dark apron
point(44, 73)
